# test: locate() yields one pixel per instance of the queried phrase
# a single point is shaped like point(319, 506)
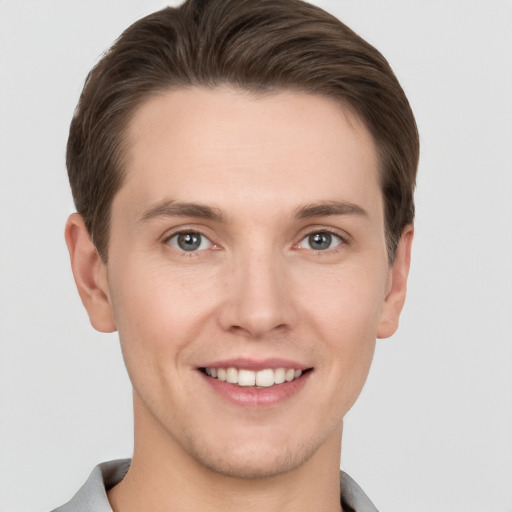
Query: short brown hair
point(257, 45)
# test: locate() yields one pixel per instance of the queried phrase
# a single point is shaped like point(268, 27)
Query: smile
point(248, 378)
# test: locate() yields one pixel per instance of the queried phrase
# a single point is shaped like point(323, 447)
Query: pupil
point(189, 241)
point(320, 241)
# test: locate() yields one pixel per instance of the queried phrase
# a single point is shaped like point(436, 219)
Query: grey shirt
point(92, 496)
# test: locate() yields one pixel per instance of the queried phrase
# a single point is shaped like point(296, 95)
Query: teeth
point(279, 375)
point(232, 375)
point(265, 378)
point(248, 378)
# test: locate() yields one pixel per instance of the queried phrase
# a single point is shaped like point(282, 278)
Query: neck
point(163, 476)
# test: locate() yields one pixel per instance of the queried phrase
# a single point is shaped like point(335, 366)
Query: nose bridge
point(259, 294)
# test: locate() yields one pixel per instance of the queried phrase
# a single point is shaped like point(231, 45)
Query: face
point(247, 274)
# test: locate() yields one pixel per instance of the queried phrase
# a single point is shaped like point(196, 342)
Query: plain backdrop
point(432, 431)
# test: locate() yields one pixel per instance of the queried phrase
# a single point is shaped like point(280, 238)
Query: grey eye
point(189, 241)
point(320, 241)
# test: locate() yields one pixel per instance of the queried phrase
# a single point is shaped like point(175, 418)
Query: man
point(243, 172)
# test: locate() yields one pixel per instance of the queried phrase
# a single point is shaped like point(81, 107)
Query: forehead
point(226, 144)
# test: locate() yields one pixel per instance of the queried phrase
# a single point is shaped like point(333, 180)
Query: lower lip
point(256, 397)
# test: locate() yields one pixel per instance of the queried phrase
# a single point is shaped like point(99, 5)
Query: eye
point(189, 241)
point(320, 241)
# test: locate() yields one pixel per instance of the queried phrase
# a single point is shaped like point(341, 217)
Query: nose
point(259, 296)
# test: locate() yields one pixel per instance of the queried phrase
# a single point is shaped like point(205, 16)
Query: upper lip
point(256, 364)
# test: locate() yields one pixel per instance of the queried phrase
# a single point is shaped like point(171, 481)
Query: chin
point(252, 460)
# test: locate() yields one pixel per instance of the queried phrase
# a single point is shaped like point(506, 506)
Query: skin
point(257, 289)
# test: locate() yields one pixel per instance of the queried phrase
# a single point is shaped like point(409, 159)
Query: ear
point(90, 274)
point(397, 286)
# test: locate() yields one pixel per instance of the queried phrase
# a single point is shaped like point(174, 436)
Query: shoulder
point(353, 498)
point(92, 496)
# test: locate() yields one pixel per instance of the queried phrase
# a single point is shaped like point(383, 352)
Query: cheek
point(157, 310)
point(159, 315)
point(346, 300)
point(344, 309)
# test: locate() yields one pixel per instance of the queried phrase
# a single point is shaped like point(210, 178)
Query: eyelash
point(323, 231)
point(194, 253)
point(167, 240)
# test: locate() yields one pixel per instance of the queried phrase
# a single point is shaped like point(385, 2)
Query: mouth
point(264, 378)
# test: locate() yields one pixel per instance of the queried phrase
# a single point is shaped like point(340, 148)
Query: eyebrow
point(327, 208)
point(170, 208)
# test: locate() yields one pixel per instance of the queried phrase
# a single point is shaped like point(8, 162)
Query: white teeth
point(232, 375)
point(279, 375)
point(248, 378)
point(265, 378)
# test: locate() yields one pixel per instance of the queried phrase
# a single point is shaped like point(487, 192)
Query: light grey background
point(432, 431)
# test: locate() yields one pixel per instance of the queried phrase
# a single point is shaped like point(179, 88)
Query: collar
point(92, 496)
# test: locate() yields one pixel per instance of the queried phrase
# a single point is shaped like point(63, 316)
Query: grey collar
point(92, 496)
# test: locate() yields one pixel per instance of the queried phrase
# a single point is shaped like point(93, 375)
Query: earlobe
point(397, 288)
point(90, 274)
